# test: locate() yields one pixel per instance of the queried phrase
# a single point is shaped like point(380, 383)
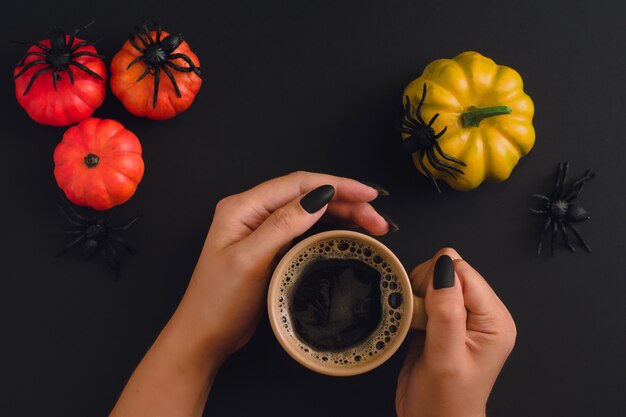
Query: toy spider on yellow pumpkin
point(487, 115)
point(423, 139)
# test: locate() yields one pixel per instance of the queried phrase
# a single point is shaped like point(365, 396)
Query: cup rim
point(283, 336)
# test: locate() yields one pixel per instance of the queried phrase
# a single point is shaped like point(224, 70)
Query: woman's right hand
point(451, 368)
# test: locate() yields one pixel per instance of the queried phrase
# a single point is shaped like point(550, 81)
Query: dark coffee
point(341, 302)
point(336, 304)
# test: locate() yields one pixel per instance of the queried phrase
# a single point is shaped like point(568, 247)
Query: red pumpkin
point(98, 163)
point(155, 74)
point(61, 80)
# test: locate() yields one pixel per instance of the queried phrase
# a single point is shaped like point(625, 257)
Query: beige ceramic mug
point(400, 309)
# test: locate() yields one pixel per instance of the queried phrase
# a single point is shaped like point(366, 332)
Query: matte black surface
point(317, 86)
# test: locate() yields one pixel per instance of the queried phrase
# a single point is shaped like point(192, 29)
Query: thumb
point(447, 316)
point(288, 222)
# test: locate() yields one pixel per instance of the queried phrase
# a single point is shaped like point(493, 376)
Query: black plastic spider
point(157, 55)
point(422, 138)
point(58, 56)
point(96, 233)
point(560, 210)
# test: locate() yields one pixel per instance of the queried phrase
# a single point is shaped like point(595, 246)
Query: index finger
point(279, 191)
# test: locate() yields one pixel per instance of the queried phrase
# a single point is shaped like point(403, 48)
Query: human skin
point(221, 308)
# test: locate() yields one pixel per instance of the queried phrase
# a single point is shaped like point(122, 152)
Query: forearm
point(175, 376)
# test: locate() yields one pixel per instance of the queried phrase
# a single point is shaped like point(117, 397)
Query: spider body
point(419, 136)
point(560, 210)
point(58, 57)
point(95, 234)
point(157, 54)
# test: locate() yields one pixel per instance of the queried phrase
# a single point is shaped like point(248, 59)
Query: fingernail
point(444, 273)
point(381, 191)
point(317, 198)
point(393, 226)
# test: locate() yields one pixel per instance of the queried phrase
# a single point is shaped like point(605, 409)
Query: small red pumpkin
point(98, 163)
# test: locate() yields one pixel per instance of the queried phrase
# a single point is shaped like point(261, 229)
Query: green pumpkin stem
point(474, 115)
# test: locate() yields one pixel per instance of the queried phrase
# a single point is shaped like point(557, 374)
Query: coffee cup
point(340, 303)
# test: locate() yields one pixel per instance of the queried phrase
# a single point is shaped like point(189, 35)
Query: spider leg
point(76, 31)
point(157, 80)
point(188, 60)
point(574, 190)
point(159, 30)
point(75, 213)
point(70, 245)
point(31, 44)
point(110, 256)
point(86, 53)
point(31, 53)
point(405, 121)
point(146, 72)
point(29, 66)
point(70, 74)
point(172, 79)
point(146, 31)
point(540, 212)
point(541, 196)
point(39, 45)
point(55, 77)
point(440, 134)
point(34, 77)
point(431, 151)
point(138, 33)
point(404, 130)
point(133, 42)
point(543, 232)
point(127, 225)
point(430, 123)
point(121, 241)
point(565, 239)
point(73, 231)
point(448, 157)
point(76, 222)
point(80, 45)
point(178, 67)
point(578, 236)
point(553, 237)
point(560, 180)
point(134, 61)
point(421, 162)
point(86, 69)
point(418, 112)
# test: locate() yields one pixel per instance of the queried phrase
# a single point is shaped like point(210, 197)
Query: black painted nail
point(444, 273)
point(317, 198)
point(393, 226)
point(381, 191)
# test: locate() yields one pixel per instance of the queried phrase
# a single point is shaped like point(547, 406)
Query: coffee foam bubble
point(391, 299)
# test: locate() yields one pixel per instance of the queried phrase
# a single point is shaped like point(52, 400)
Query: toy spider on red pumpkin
point(60, 80)
point(155, 53)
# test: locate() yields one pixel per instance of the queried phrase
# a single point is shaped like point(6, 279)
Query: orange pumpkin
point(155, 74)
point(98, 163)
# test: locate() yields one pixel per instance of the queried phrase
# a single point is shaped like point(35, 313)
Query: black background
point(316, 86)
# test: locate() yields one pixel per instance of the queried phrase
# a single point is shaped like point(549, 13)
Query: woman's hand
point(450, 370)
point(250, 231)
point(226, 295)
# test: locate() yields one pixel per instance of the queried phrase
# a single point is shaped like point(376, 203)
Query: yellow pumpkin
point(486, 114)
